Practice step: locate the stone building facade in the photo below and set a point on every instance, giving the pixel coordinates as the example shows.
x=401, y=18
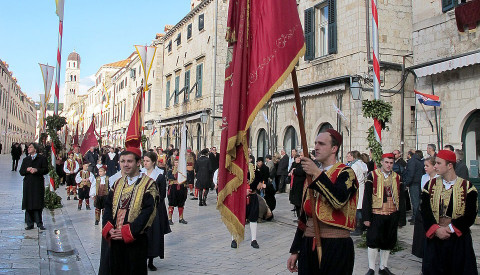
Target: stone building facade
x=337, y=55
x=17, y=111
x=447, y=64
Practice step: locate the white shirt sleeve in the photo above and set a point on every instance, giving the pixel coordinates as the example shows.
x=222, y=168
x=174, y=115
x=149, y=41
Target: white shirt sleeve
x=93, y=189
x=92, y=179
x=215, y=177
x=77, y=167
x=78, y=178
x=65, y=169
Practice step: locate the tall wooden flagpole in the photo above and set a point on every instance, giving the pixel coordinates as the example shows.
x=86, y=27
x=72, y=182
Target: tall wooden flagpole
x=376, y=69
x=303, y=138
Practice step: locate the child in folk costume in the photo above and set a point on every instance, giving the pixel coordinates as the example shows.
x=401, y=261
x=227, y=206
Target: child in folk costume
x=84, y=180
x=177, y=194
x=99, y=191
x=71, y=167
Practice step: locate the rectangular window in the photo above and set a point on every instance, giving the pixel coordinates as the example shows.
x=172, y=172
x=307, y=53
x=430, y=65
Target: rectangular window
x=199, y=79
x=321, y=31
x=201, y=22
x=169, y=46
x=447, y=5
x=167, y=89
x=186, y=91
x=179, y=39
x=189, y=31
x=177, y=86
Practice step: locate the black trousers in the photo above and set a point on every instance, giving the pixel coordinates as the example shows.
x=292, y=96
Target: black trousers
x=282, y=184
x=382, y=232
x=14, y=164
x=129, y=258
x=32, y=216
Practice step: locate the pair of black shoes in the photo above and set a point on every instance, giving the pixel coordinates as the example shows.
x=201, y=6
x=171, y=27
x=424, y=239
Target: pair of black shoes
x=41, y=227
x=254, y=244
x=183, y=221
x=384, y=271
x=202, y=203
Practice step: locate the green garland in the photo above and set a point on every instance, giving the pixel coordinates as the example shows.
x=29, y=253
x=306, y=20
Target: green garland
x=143, y=140
x=54, y=124
x=382, y=111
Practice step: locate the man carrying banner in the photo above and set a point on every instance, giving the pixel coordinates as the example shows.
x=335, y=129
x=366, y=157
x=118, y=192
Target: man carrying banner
x=335, y=190
x=449, y=208
x=380, y=212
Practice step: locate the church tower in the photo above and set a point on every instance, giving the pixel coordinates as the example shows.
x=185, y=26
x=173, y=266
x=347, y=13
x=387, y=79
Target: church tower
x=72, y=79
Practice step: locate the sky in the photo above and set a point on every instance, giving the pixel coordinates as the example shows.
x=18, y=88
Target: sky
x=101, y=32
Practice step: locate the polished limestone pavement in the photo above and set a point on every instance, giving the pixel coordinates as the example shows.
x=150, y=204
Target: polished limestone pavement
x=71, y=243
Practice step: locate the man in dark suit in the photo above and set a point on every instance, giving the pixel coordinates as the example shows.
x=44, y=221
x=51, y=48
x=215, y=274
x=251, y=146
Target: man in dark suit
x=461, y=169
x=33, y=168
x=282, y=171
x=91, y=157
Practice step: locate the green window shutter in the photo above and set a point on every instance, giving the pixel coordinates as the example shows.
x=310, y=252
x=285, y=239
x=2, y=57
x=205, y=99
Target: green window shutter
x=447, y=5
x=177, y=86
x=199, y=79
x=149, y=100
x=310, y=33
x=186, y=93
x=168, y=94
x=332, y=26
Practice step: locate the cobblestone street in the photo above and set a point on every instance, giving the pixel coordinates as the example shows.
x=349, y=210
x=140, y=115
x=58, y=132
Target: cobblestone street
x=71, y=243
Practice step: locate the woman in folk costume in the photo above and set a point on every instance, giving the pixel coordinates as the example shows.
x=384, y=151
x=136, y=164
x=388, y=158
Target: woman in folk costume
x=99, y=191
x=177, y=193
x=84, y=180
x=71, y=167
x=160, y=226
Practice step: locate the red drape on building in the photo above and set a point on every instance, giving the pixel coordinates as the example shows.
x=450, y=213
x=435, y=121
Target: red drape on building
x=265, y=42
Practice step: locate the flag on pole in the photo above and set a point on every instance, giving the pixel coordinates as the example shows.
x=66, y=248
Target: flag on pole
x=134, y=130
x=426, y=99
x=47, y=75
x=59, y=4
x=295, y=110
x=146, y=54
x=265, y=42
x=75, y=137
x=154, y=131
x=338, y=111
x=182, y=156
x=89, y=139
x=163, y=132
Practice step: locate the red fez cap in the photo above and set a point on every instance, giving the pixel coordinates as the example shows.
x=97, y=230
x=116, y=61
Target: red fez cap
x=188, y=150
x=388, y=156
x=134, y=150
x=447, y=155
x=335, y=135
x=177, y=157
x=104, y=167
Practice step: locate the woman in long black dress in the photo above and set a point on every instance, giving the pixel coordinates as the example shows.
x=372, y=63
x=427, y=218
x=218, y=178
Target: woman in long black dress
x=111, y=161
x=296, y=191
x=418, y=230
x=160, y=225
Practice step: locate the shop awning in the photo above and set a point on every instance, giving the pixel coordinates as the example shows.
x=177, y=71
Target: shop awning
x=447, y=65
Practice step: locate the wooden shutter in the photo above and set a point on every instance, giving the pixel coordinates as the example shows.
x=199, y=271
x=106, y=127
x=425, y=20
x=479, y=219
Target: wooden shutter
x=332, y=27
x=310, y=33
x=168, y=93
x=447, y=5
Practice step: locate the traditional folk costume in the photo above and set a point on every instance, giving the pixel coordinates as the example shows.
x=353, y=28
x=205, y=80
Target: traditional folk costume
x=453, y=204
x=84, y=180
x=71, y=167
x=381, y=207
x=79, y=158
x=335, y=204
x=177, y=195
x=99, y=190
x=130, y=207
x=191, y=173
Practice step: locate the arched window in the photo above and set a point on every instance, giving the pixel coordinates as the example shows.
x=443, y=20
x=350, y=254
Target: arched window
x=262, y=143
x=71, y=77
x=199, y=138
x=290, y=140
x=325, y=126
x=471, y=146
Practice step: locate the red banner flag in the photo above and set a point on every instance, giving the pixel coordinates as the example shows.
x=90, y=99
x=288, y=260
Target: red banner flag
x=89, y=139
x=265, y=42
x=75, y=137
x=134, y=130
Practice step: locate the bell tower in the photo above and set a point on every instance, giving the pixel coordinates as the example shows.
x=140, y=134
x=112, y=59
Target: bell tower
x=72, y=79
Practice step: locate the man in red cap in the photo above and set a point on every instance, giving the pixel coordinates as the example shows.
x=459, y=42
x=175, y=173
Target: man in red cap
x=380, y=212
x=332, y=196
x=449, y=208
x=129, y=210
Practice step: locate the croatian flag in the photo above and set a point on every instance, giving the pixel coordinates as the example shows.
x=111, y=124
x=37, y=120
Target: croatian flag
x=426, y=99
x=154, y=131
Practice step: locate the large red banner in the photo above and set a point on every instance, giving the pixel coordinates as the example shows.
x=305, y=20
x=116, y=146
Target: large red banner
x=265, y=42
x=89, y=140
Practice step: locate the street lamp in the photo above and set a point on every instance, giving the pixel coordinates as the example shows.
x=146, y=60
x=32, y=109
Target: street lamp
x=203, y=119
x=356, y=89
